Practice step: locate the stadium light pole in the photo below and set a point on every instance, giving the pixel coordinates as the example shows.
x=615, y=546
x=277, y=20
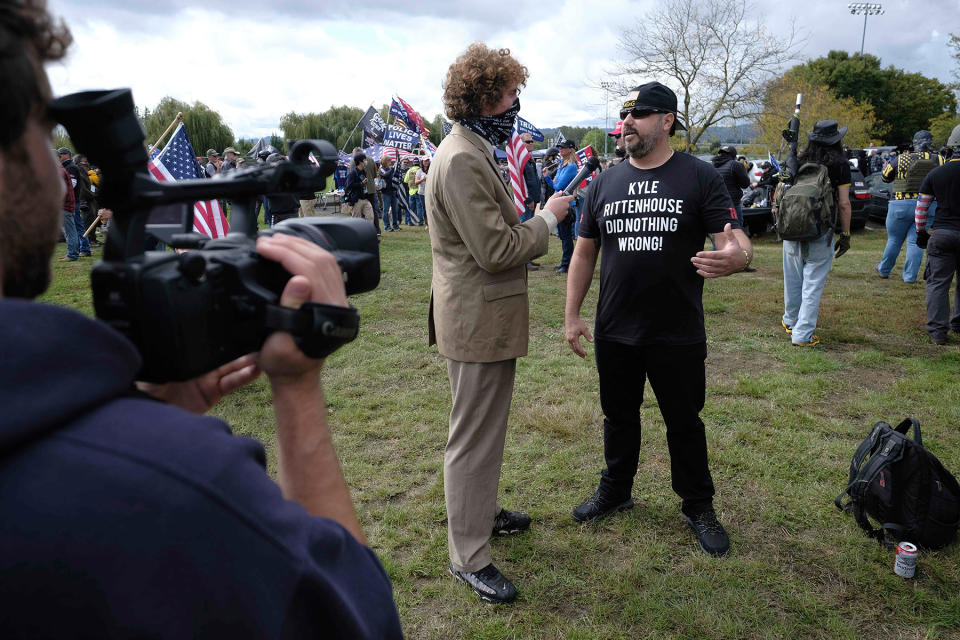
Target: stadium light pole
x=606, y=86
x=865, y=9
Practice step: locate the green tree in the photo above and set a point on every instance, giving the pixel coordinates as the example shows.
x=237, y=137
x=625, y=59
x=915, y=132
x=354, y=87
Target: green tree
x=819, y=103
x=942, y=126
x=204, y=126
x=335, y=125
x=903, y=102
x=595, y=138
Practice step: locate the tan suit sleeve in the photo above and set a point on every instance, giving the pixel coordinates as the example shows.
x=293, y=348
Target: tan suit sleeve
x=475, y=212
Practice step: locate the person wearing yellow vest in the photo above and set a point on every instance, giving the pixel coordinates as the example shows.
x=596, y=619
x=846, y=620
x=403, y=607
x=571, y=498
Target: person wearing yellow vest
x=416, y=198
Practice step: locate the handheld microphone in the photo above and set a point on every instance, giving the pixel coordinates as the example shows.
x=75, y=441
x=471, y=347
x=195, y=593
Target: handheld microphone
x=588, y=167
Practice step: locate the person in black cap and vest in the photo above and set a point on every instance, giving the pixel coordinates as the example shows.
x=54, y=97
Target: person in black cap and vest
x=651, y=215
x=806, y=264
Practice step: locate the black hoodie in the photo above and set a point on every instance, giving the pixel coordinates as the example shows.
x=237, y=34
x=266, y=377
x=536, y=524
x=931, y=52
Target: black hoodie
x=734, y=175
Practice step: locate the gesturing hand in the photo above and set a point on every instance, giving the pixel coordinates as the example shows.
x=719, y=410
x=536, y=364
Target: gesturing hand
x=728, y=258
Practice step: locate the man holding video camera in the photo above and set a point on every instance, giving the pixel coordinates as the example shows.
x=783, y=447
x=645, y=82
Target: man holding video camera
x=125, y=515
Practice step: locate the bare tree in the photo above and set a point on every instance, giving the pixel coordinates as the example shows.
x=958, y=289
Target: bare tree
x=716, y=54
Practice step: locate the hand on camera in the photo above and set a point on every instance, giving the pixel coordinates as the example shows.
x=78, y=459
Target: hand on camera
x=559, y=205
x=316, y=278
x=201, y=394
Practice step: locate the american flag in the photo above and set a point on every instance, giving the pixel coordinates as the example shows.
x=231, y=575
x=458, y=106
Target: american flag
x=582, y=156
x=517, y=159
x=177, y=162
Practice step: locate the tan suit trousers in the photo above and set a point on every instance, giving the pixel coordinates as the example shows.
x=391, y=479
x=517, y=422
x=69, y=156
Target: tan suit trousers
x=363, y=209
x=471, y=466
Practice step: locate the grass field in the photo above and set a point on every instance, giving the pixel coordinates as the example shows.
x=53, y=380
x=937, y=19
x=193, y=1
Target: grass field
x=782, y=424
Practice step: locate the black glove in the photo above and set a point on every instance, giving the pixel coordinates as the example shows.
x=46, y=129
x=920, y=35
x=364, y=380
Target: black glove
x=923, y=237
x=842, y=245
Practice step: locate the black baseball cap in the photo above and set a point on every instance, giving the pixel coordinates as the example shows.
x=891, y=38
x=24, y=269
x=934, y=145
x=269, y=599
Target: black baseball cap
x=566, y=144
x=652, y=97
x=64, y=151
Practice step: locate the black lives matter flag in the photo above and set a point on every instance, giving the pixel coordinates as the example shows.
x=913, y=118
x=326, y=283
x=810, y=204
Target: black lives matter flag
x=373, y=126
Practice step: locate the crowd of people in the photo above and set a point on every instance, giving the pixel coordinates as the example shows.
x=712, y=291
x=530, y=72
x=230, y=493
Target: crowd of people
x=169, y=525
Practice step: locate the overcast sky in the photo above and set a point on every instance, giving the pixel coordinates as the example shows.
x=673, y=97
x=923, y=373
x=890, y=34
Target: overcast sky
x=253, y=61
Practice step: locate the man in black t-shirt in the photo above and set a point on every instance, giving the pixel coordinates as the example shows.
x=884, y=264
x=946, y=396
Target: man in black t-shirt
x=651, y=215
x=943, y=243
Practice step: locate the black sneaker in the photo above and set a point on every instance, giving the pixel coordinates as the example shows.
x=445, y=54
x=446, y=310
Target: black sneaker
x=599, y=506
x=710, y=533
x=488, y=583
x=508, y=522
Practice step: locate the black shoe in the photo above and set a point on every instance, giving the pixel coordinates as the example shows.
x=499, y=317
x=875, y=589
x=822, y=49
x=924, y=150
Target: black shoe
x=935, y=339
x=488, y=583
x=536, y=264
x=710, y=533
x=599, y=506
x=508, y=522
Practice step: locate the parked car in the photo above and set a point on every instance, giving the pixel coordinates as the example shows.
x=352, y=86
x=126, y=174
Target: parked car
x=758, y=218
x=859, y=196
x=880, y=194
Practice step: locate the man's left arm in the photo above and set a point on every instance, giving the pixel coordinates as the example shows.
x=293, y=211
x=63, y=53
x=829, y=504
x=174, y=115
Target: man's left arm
x=734, y=253
x=733, y=250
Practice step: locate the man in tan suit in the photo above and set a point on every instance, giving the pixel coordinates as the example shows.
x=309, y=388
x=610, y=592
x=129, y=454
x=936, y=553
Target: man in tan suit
x=478, y=307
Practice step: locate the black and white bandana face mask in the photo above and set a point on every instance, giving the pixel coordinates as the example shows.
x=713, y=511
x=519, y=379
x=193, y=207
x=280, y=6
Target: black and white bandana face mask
x=496, y=129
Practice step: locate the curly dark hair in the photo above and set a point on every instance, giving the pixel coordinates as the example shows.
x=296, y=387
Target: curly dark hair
x=29, y=37
x=477, y=79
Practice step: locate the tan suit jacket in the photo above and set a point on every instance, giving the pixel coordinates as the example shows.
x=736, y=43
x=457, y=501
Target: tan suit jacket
x=478, y=302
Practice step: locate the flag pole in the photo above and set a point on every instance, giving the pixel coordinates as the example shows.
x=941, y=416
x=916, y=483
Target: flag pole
x=354, y=131
x=176, y=120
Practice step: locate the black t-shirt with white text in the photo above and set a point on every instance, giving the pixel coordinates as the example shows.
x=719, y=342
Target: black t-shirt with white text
x=650, y=222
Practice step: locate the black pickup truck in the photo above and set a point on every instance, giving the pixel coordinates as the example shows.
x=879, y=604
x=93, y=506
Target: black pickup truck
x=758, y=219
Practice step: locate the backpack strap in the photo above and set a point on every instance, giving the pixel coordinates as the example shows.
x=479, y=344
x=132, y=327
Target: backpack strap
x=865, y=447
x=904, y=426
x=891, y=451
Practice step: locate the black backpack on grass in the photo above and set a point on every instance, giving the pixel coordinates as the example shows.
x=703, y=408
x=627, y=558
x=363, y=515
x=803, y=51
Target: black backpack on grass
x=903, y=487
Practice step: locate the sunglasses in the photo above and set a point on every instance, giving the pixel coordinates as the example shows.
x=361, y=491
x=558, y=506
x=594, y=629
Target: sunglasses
x=638, y=113
x=528, y=142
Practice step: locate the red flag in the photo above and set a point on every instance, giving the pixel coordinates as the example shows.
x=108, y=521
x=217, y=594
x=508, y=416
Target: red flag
x=414, y=116
x=517, y=159
x=582, y=156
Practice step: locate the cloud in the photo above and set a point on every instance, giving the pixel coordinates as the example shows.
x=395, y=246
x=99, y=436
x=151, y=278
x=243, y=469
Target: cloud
x=253, y=61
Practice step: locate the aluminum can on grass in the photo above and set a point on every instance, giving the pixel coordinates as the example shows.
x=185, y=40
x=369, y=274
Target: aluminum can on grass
x=905, y=564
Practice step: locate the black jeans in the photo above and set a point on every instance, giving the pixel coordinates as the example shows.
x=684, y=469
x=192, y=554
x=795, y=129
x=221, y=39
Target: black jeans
x=678, y=379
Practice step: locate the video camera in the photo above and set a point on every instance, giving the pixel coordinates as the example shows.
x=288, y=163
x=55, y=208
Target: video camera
x=188, y=312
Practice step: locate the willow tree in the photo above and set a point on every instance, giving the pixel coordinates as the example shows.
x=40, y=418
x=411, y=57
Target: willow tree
x=205, y=127
x=715, y=54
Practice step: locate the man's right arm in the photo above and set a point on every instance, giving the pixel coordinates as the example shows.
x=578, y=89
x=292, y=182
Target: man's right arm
x=582, y=266
x=308, y=471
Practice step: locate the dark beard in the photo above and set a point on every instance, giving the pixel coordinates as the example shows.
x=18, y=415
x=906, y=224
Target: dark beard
x=28, y=234
x=642, y=146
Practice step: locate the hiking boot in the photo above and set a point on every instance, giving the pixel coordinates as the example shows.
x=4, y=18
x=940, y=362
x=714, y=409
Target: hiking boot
x=710, y=533
x=813, y=340
x=510, y=522
x=785, y=327
x=599, y=506
x=938, y=339
x=488, y=583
